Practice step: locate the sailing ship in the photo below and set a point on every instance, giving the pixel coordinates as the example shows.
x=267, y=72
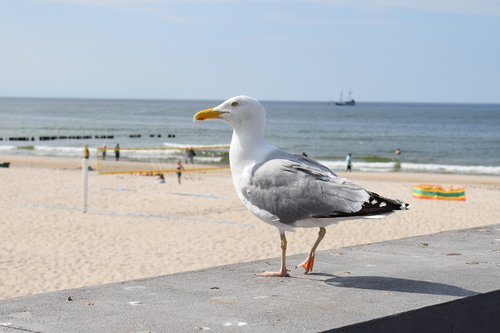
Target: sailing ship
x=350, y=101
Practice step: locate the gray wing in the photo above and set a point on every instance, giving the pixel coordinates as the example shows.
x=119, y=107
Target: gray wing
x=295, y=188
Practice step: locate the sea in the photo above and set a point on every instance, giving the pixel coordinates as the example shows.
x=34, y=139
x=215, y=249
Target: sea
x=438, y=138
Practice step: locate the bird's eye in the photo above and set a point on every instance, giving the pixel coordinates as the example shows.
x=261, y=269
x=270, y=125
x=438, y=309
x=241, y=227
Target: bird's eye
x=234, y=104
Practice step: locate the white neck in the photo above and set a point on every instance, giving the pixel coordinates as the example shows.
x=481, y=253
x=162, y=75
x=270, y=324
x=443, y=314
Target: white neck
x=246, y=151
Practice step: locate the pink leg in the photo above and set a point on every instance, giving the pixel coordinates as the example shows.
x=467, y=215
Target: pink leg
x=309, y=262
x=283, y=271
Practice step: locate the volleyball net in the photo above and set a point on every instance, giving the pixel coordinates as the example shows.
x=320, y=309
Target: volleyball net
x=159, y=160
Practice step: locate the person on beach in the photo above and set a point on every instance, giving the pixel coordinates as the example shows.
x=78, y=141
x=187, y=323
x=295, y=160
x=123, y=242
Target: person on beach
x=192, y=154
x=86, y=152
x=397, y=162
x=179, y=168
x=189, y=155
x=348, y=161
x=161, y=179
x=104, y=152
x=117, y=152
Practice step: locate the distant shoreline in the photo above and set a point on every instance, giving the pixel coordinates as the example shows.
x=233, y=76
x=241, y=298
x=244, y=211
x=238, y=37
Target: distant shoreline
x=30, y=161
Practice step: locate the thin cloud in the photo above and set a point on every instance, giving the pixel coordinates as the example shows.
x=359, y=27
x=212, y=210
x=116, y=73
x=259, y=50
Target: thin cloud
x=154, y=8
x=463, y=7
x=127, y=3
x=104, y=3
x=283, y=17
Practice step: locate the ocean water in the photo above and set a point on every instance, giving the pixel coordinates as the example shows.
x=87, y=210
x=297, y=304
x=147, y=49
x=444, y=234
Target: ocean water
x=447, y=138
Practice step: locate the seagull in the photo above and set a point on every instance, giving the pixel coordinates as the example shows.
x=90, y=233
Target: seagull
x=288, y=190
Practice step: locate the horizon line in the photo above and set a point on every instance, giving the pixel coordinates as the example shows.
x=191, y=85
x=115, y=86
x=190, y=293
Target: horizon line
x=329, y=101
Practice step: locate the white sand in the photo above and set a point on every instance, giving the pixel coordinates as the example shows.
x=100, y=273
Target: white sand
x=136, y=227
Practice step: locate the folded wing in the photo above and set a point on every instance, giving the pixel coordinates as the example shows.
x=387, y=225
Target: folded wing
x=296, y=188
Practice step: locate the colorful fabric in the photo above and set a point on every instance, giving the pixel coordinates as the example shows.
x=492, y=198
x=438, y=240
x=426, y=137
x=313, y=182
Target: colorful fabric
x=436, y=192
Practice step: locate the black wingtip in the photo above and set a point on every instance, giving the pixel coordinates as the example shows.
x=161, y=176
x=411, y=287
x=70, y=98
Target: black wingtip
x=405, y=206
x=378, y=202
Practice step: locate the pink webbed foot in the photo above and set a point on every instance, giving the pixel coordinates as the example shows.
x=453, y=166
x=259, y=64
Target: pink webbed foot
x=307, y=264
x=275, y=274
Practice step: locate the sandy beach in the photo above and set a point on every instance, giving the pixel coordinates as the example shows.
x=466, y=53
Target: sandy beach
x=136, y=227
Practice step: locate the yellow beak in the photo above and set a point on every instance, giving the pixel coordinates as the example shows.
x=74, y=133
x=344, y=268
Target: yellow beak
x=207, y=114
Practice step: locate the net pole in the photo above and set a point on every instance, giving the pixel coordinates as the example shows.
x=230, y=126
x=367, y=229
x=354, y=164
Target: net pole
x=85, y=183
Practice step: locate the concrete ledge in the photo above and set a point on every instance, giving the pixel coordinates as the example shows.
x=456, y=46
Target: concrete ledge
x=478, y=313
x=446, y=282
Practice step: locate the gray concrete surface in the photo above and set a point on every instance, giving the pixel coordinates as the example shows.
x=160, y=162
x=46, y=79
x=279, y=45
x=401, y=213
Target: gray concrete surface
x=349, y=286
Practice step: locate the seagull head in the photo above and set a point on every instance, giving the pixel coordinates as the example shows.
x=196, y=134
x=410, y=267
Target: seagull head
x=242, y=113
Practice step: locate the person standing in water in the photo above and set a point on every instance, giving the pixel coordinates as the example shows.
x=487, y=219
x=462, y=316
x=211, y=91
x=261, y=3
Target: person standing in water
x=104, y=148
x=348, y=161
x=117, y=152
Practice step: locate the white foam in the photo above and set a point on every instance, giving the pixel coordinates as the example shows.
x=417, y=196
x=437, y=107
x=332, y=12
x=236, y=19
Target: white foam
x=144, y=154
x=194, y=146
x=7, y=148
x=414, y=167
x=360, y=166
x=207, y=159
x=460, y=169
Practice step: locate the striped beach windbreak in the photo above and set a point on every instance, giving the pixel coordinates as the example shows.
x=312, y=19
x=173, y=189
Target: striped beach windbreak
x=437, y=192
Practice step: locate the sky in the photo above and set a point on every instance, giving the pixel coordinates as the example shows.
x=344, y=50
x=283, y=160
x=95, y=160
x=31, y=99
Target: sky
x=445, y=51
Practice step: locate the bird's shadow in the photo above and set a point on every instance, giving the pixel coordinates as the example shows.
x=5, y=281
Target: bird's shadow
x=396, y=285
